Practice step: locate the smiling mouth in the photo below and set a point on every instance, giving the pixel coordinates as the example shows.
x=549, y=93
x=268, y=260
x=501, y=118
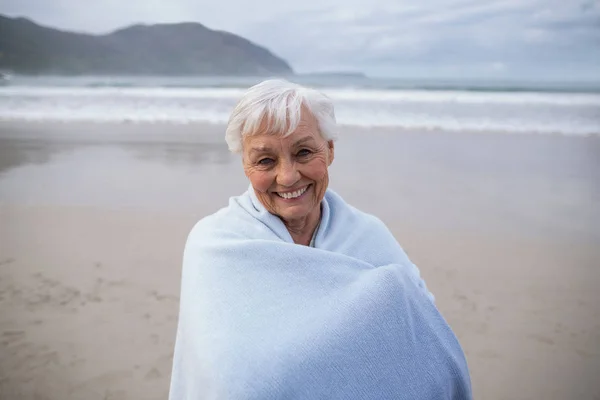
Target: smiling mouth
x=293, y=195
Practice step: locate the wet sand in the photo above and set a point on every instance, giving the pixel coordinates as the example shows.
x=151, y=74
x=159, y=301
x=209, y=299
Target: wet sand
x=93, y=218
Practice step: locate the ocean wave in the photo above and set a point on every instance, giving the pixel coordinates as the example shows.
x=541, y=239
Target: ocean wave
x=339, y=94
x=567, y=113
x=328, y=82
x=481, y=125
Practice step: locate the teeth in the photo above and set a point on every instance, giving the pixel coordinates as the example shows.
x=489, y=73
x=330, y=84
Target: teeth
x=293, y=195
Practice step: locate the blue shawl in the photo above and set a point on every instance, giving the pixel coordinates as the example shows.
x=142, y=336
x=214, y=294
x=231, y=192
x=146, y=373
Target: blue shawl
x=350, y=318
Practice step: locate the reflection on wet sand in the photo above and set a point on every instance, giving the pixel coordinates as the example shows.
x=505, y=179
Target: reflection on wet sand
x=14, y=153
x=18, y=152
x=38, y=143
x=189, y=154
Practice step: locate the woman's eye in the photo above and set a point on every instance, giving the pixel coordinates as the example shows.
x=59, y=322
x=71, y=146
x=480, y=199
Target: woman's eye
x=265, y=161
x=304, y=152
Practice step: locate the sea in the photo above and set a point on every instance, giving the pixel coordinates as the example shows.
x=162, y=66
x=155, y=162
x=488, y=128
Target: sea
x=477, y=106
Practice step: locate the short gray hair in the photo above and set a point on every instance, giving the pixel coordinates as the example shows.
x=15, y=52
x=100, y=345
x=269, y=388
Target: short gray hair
x=281, y=103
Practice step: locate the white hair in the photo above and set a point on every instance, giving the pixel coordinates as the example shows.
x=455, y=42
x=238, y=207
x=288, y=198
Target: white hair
x=281, y=103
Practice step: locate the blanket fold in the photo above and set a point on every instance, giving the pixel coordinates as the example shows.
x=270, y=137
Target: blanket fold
x=263, y=318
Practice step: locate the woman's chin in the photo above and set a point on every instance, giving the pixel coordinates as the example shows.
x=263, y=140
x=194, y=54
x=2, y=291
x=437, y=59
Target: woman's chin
x=293, y=212
x=296, y=210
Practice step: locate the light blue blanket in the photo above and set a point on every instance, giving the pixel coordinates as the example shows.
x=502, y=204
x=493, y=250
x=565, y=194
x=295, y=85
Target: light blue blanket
x=264, y=318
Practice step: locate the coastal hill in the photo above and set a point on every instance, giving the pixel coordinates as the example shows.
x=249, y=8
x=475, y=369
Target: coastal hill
x=162, y=49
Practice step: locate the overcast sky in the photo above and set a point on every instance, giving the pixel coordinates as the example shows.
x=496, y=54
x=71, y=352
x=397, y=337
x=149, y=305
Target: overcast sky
x=437, y=38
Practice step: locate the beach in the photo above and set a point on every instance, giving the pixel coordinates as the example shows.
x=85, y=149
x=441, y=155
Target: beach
x=505, y=229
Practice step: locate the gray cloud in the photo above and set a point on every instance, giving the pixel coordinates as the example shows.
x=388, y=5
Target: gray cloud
x=496, y=38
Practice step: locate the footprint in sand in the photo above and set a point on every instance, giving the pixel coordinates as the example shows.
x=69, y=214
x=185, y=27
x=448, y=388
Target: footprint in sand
x=155, y=338
x=11, y=336
x=160, y=297
x=542, y=339
x=153, y=374
x=7, y=261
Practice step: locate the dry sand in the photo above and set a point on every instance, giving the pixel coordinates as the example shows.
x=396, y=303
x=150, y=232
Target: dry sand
x=93, y=219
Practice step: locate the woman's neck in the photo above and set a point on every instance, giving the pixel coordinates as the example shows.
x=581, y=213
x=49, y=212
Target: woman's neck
x=302, y=229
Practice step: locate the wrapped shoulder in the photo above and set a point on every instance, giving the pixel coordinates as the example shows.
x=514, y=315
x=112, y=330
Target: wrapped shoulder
x=222, y=225
x=389, y=249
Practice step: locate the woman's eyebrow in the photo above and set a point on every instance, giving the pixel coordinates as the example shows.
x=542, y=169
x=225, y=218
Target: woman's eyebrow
x=260, y=149
x=304, y=140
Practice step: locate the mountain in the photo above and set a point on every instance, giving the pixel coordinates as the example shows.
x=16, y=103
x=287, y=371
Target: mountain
x=162, y=49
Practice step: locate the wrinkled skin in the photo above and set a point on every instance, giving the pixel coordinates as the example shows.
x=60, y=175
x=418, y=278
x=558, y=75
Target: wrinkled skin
x=278, y=165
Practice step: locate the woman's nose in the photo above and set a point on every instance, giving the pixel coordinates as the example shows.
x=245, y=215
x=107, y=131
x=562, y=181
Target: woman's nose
x=287, y=174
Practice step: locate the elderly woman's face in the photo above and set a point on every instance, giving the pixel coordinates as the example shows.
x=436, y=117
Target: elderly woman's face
x=289, y=174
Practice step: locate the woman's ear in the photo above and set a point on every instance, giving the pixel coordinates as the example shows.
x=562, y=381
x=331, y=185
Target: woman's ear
x=331, y=151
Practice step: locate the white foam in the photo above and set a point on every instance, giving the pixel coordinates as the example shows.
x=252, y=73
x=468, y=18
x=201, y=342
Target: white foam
x=466, y=97
x=417, y=96
x=566, y=113
x=138, y=92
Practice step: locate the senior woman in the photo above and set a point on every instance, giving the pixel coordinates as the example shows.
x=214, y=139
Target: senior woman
x=289, y=292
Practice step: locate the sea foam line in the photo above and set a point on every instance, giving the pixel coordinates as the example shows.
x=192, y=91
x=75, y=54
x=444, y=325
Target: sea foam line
x=350, y=95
